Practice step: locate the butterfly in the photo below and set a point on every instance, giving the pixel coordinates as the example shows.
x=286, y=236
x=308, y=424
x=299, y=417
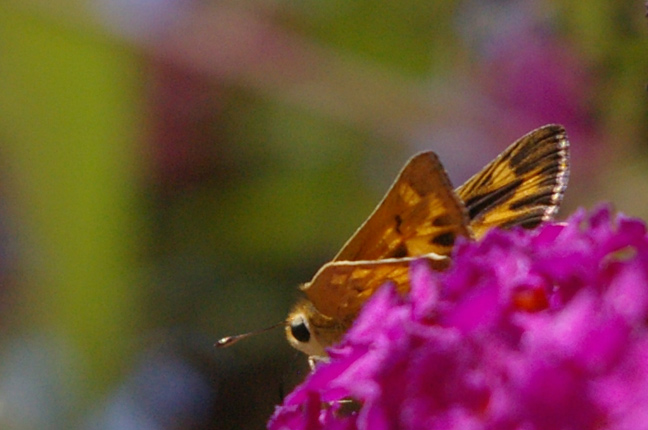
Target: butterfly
x=421, y=216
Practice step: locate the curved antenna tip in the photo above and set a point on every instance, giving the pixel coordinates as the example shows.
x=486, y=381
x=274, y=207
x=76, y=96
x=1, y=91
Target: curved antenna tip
x=231, y=340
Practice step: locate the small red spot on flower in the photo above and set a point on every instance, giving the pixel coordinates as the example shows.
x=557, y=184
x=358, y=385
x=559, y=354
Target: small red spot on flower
x=530, y=299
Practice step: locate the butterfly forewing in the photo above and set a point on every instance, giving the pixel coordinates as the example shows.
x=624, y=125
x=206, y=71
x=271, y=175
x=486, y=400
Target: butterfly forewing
x=419, y=214
x=523, y=186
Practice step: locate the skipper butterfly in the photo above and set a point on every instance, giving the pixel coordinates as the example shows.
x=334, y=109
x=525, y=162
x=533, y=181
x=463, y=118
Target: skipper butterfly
x=421, y=216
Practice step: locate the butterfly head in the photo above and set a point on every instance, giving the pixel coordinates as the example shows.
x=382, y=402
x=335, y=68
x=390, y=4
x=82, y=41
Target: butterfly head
x=311, y=332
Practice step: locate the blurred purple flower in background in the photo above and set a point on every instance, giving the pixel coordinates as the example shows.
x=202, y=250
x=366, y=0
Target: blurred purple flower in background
x=540, y=329
x=523, y=72
x=525, y=65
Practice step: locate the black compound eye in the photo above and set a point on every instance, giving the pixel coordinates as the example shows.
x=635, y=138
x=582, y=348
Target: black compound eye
x=300, y=331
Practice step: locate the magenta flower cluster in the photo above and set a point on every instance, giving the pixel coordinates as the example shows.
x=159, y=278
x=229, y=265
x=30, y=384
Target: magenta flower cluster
x=527, y=330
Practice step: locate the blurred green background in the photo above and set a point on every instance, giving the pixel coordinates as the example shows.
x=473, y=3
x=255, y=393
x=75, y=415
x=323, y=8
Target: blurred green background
x=172, y=170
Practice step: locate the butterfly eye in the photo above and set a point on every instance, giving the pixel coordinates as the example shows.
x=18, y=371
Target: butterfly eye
x=299, y=330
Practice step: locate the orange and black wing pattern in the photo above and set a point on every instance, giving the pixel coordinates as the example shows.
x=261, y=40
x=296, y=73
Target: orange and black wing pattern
x=419, y=214
x=523, y=186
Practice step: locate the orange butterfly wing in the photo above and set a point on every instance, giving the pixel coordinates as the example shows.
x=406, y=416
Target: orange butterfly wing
x=419, y=216
x=340, y=288
x=523, y=186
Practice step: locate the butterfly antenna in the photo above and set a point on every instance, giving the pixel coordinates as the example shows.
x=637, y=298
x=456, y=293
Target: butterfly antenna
x=231, y=340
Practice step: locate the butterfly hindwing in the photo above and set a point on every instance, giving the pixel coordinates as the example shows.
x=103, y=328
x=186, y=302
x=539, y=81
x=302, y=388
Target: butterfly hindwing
x=419, y=214
x=340, y=288
x=523, y=186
